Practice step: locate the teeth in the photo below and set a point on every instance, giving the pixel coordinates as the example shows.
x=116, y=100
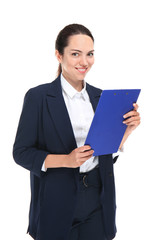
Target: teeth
x=82, y=69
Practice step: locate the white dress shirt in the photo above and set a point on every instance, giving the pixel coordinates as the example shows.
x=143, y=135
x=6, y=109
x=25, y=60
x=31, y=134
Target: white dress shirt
x=81, y=113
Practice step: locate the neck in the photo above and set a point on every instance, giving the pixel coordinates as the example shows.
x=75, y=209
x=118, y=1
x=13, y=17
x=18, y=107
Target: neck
x=78, y=85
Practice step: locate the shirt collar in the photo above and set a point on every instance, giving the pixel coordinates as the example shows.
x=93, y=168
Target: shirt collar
x=71, y=91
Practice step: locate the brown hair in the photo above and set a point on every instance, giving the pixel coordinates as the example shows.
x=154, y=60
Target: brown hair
x=63, y=38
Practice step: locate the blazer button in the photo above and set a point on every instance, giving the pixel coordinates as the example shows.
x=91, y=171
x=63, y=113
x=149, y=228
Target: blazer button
x=110, y=174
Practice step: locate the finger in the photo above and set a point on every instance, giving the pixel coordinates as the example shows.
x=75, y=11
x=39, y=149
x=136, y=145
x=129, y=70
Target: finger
x=86, y=154
x=132, y=119
x=131, y=114
x=135, y=105
x=82, y=160
x=84, y=148
x=134, y=123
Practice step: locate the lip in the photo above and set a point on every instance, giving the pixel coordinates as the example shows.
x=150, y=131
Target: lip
x=81, y=70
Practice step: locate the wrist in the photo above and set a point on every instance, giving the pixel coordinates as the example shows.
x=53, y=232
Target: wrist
x=125, y=137
x=127, y=132
x=55, y=161
x=65, y=160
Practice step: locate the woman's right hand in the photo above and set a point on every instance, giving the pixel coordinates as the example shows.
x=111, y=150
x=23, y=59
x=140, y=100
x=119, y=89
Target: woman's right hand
x=78, y=156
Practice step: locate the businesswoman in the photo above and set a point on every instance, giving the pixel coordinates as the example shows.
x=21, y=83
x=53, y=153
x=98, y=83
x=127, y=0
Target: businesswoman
x=72, y=192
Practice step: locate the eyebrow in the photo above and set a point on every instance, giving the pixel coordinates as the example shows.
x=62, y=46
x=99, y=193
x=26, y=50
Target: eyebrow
x=76, y=50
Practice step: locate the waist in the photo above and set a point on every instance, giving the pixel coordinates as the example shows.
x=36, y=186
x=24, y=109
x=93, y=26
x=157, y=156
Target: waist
x=91, y=178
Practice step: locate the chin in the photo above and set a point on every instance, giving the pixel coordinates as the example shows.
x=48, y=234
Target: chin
x=81, y=78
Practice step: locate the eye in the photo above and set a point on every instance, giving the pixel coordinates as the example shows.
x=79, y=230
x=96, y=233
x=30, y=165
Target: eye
x=90, y=54
x=75, y=54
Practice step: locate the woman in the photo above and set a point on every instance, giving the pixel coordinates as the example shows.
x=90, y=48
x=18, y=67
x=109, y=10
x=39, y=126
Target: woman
x=72, y=192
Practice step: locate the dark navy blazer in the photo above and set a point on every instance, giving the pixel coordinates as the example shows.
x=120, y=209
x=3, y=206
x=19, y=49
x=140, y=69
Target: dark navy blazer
x=45, y=128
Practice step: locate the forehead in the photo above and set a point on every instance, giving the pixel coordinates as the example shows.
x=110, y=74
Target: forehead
x=81, y=42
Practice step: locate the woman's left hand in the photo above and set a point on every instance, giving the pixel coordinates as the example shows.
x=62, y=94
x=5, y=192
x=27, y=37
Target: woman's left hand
x=132, y=122
x=133, y=119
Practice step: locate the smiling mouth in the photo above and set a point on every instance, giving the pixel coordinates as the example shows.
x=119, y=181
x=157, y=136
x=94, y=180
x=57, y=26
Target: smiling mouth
x=82, y=70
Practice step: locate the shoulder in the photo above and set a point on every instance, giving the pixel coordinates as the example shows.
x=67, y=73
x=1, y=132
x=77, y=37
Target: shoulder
x=40, y=91
x=34, y=96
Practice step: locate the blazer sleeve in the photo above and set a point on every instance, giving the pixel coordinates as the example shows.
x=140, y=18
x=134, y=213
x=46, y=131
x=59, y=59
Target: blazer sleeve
x=25, y=149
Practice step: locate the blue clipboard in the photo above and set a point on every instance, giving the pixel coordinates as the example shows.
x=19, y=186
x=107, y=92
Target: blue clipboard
x=107, y=128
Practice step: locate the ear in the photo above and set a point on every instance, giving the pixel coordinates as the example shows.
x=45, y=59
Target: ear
x=58, y=56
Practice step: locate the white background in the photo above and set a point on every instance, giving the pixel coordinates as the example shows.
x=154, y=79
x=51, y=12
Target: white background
x=127, y=53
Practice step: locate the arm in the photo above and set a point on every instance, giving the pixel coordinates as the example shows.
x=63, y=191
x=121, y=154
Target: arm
x=73, y=160
x=25, y=149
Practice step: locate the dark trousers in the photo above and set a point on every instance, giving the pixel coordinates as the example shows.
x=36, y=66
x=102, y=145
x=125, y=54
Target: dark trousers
x=88, y=219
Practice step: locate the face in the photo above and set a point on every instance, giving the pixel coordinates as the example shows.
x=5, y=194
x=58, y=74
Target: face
x=77, y=59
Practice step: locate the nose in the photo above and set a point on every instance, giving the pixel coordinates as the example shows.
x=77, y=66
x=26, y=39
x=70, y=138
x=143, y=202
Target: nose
x=83, y=61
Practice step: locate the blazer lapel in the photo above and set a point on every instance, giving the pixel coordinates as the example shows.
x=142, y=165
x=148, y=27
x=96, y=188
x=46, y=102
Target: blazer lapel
x=60, y=116
x=94, y=95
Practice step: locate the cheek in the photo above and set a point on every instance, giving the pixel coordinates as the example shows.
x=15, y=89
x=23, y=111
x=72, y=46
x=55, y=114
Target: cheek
x=71, y=63
x=91, y=62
